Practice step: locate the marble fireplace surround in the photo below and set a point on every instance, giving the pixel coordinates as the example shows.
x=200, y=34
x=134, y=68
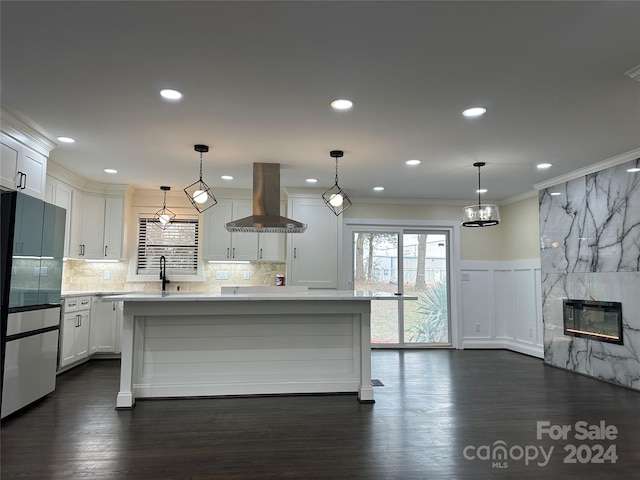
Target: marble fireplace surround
x=590, y=250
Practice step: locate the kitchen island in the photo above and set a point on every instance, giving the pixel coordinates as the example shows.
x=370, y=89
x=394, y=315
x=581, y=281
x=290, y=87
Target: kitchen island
x=204, y=344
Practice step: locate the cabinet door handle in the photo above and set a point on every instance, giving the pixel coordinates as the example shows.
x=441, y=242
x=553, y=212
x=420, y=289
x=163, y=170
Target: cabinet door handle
x=23, y=176
x=260, y=254
x=295, y=252
x=233, y=254
x=227, y=252
x=83, y=245
x=105, y=250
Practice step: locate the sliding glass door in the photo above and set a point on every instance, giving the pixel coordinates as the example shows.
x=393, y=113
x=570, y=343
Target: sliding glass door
x=411, y=262
x=376, y=268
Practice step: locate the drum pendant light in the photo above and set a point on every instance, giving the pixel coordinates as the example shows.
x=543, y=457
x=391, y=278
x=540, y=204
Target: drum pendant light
x=480, y=215
x=199, y=193
x=163, y=217
x=335, y=198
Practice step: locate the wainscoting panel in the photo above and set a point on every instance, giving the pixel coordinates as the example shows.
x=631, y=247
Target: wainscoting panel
x=501, y=306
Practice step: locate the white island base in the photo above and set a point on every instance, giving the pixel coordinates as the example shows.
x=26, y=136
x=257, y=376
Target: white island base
x=181, y=345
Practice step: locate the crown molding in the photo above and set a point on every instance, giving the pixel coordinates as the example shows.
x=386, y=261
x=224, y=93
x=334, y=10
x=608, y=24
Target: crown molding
x=59, y=172
x=596, y=167
x=25, y=134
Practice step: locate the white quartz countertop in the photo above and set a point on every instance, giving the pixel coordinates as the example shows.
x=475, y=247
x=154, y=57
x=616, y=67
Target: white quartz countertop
x=89, y=293
x=256, y=296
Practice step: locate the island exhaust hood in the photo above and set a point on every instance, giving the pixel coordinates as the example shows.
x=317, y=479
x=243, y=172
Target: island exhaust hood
x=266, y=205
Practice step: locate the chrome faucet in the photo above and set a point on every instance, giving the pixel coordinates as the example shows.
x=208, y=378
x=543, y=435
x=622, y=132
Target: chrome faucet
x=163, y=272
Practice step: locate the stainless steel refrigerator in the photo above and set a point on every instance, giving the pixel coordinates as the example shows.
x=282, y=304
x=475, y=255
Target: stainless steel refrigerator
x=32, y=246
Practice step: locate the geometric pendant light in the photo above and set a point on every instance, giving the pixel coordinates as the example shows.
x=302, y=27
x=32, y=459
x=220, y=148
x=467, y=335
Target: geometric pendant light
x=164, y=216
x=480, y=215
x=199, y=193
x=335, y=198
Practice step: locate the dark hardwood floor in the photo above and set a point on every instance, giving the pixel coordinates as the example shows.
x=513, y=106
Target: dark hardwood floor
x=435, y=406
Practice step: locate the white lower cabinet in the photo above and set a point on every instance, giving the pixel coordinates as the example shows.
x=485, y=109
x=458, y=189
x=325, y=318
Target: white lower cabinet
x=89, y=326
x=74, y=337
x=106, y=325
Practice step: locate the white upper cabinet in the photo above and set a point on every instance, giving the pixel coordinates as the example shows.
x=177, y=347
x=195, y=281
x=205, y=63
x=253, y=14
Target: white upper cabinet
x=61, y=195
x=312, y=256
x=89, y=245
x=22, y=168
x=97, y=226
x=23, y=157
x=271, y=247
x=113, y=227
x=221, y=244
x=9, y=155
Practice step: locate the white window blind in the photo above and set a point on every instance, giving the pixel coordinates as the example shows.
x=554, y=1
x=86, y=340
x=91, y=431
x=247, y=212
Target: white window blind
x=178, y=243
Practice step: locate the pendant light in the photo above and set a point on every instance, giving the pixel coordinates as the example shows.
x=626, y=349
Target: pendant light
x=199, y=193
x=163, y=217
x=480, y=215
x=335, y=198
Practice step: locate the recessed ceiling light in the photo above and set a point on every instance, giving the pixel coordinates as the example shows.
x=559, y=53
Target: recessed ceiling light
x=311, y=180
x=482, y=190
x=67, y=139
x=543, y=166
x=170, y=94
x=110, y=170
x=378, y=189
x=413, y=162
x=474, y=112
x=226, y=177
x=554, y=194
x=633, y=170
x=342, y=104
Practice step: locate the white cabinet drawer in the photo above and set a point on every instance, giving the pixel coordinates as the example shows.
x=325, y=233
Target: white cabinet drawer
x=74, y=304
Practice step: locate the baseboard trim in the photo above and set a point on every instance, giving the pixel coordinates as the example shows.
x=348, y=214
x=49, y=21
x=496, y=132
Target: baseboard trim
x=505, y=344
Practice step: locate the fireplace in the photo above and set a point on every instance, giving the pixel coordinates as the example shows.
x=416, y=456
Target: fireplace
x=594, y=320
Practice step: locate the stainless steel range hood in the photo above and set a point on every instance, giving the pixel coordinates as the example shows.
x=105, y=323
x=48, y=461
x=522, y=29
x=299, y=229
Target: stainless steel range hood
x=266, y=205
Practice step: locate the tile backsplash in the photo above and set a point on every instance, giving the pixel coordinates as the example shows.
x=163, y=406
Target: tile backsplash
x=81, y=276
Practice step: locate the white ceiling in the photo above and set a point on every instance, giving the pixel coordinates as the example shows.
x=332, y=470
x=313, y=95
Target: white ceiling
x=258, y=77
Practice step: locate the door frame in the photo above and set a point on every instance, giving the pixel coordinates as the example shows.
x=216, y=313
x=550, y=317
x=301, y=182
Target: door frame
x=345, y=273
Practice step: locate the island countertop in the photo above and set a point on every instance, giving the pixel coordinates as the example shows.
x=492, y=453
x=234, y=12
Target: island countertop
x=335, y=295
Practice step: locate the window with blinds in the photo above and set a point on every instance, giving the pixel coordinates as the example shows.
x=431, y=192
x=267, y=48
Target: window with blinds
x=178, y=243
